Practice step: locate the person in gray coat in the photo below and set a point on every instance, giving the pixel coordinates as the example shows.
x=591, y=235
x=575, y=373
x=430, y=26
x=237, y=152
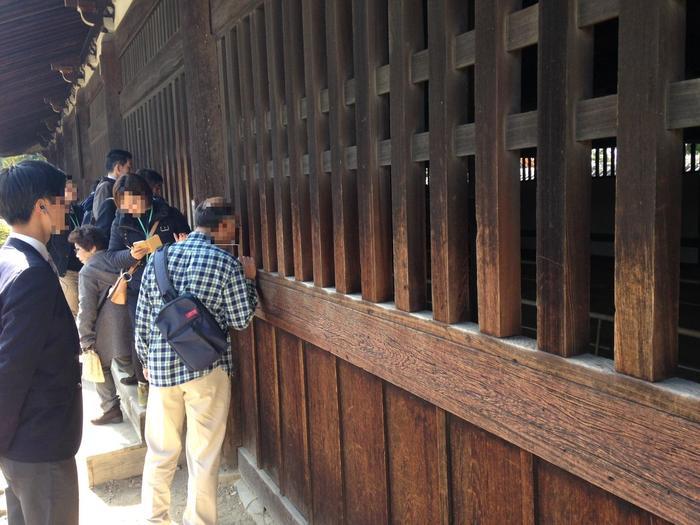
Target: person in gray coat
x=102, y=325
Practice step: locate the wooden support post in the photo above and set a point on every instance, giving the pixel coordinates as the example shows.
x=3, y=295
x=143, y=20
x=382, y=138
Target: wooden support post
x=342, y=135
x=296, y=138
x=230, y=51
x=203, y=99
x=262, y=107
x=564, y=181
x=497, y=183
x=370, y=26
x=407, y=176
x=448, y=173
x=278, y=136
x=314, y=29
x=82, y=121
x=110, y=72
x=648, y=185
x=249, y=140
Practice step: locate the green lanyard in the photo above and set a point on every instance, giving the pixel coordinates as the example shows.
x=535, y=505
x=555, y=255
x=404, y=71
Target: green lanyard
x=73, y=220
x=145, y=231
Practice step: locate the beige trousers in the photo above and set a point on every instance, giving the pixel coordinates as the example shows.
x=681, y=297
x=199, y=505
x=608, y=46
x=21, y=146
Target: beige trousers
x=204, y=403
x=69, y=284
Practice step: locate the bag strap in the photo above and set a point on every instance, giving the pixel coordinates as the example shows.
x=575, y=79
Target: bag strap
x=160, y=265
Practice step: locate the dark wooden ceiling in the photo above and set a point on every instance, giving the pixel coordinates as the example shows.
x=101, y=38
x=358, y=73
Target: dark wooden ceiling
x=33, y=35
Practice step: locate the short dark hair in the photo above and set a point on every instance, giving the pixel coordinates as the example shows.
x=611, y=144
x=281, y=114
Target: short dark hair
x=24, y=184
x=116, y=156
x=152, y=177
x=88, y=237
x=211, y=212
x=134, y=184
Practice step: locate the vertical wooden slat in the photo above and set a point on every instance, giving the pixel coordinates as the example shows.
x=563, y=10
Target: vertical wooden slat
x=449, y=89
x=314, y=31
x=110, y=70
x=296, y=481
x=178, y=151
x=648, y=185
x=249, y=392
x=268, y=391
x=278, y=136
x=370, y=28
x=407, y=177
x=364, y=445
x=443, y=464
x=262, y=106
x=237, y=162
x=412, y=444
x=564, y=181
x=249, y=141
x=497, y=95
x=296, y=138
x=342, y=135
x=324, y=436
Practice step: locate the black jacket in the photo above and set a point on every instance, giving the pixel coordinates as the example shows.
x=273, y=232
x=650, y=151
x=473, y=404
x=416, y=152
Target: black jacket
x=62, y=252
x=103, y=206
x=126, y=230
x=41, y=410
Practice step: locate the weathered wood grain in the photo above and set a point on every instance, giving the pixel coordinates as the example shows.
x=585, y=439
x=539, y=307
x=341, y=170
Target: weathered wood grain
x=321, y=209
x=518, y=394
x=497, y=184
x=406, y=27
x=448, y=172
x=324, y=436
x=648, y=190
x=342, y=135
x=596, y=118
x=522, y=28
x=684, y=104
x=563, y=182
x=225, y=13
x=521, y=131
x=364, y=447
x=278, y=136
x=249, y=393
x=297, y=139
x=592, y=12
x=370, y=50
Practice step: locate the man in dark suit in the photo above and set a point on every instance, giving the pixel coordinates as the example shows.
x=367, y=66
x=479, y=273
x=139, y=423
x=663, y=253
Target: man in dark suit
x=40, y=395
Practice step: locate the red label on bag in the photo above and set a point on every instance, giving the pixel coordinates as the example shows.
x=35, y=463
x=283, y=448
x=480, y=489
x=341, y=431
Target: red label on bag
x=191, y=314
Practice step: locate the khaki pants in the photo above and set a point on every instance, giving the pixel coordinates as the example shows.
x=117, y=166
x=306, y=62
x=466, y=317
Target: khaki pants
x=69, y=284
x=205, y=403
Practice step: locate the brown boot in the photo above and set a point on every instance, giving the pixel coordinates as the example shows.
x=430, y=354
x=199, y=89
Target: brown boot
x=113, y=415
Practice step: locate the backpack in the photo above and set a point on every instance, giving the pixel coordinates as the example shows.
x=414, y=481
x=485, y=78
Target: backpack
x=86, y=205
x=185, y=323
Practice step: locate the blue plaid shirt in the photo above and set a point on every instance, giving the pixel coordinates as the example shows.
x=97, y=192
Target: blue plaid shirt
x=213, y=276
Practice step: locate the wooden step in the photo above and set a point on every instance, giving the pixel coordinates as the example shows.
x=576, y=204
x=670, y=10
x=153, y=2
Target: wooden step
x=129, y=403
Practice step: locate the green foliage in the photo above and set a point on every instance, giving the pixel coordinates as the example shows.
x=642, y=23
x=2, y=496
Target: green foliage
x=4, y=232
x=6, y=162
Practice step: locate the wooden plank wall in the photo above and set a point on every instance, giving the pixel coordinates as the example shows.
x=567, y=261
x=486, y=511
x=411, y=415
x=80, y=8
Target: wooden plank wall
x=352, y=116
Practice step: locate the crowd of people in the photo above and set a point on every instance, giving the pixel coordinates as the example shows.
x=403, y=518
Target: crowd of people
x=60, y=273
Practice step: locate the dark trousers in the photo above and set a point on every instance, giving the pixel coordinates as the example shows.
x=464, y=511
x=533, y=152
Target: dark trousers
x=131, y=301
x=41, y=493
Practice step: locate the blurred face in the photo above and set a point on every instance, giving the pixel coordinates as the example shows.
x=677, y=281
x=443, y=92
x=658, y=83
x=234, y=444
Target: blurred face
x=157, y=190
x=84, y=255
x=52, y=216
x=71, y=194
x=133, y=204
x=225, y=232
x=122, y=169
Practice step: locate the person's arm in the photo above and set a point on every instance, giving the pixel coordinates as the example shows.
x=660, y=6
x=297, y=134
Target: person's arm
x=240, y=298
x=28, y=305
x=118, y=254
x=145, y=314
x=88, y=303
x=101, y=194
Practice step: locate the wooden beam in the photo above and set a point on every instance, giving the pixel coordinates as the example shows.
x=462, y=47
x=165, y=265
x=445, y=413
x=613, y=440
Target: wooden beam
x=596, y=118
x=204, y=118
x=278, y=136
x=497, y=95
x=522, y=28
x=370, y=26
x=521, y=131
x=465, y=52
x=563, y=182
x=592, y=12
x=245, y=70
x=684, y=104
x=407, y=176
x=262, y=106
x=448, y=172
x=314, y=38
x=296, y=139
x=112, y=81
x=342, y=135
x=648, y=186
x=537, y=407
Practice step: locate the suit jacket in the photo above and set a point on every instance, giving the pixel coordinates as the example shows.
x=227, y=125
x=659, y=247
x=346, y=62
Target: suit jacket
x=40, y=395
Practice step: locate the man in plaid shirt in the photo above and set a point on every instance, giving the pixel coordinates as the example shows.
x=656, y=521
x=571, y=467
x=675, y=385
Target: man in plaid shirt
x=226, y=286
